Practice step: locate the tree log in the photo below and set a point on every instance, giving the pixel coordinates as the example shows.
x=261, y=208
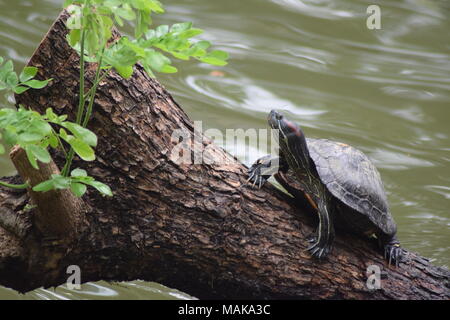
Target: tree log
x=194, y=227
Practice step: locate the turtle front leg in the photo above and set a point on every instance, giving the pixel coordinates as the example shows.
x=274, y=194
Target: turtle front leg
x=324, y=237
x=264, y=168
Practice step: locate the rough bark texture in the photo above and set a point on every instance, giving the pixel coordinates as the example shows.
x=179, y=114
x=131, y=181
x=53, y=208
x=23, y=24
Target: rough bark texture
x=186, y=226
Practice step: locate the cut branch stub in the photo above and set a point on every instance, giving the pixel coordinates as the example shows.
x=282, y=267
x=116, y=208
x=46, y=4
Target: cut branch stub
x=59, y=212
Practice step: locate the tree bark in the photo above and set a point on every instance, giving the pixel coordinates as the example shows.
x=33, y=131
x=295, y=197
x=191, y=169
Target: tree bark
x=194, y=227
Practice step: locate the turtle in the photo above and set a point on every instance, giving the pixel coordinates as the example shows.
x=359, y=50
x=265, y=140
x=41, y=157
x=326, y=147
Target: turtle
x=339, y=181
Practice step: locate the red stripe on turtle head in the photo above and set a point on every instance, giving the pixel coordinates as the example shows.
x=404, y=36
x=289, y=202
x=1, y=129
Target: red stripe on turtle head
x=294, y=128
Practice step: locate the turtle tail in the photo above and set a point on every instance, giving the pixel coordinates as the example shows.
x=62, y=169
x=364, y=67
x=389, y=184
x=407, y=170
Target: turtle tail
x=393, y=253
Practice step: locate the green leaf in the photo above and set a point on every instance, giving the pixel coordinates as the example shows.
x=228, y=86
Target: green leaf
x=125, y=12
x=125, y=72
x=53, y=141
x=40, y=153
x=172, y=44
x=78, y=173
x=190, y=33
x=8, y=66
x=40, y=126
x=8, y=78
x=30, y=136
x=37, y=84
x=57, y=181
x=92, y=41
x=118, y=20
x=216, y=58
x=122, y=57
x=28, y=73
x=31, y=157
x=82, y=149
x=106, y=24
x=20, y=89
x=156, y=6
x=60, y=182
x=74, y=37
x=78, y=189
x=101, y=187
x=180, y=56
x=85, y=135
x=156, y=60
x=203, y=44
x=11, y=79
x=169, y=69
x=105, y=10
x=150, y=34
x=143, y=21
x=63, y=134
x=162, y=30
x=179, y=27
x=51, y=116
x=10, y=137
x=137, y=49
x=147, y=6
x=44, y=186
x=75, y=19
x=219, y=54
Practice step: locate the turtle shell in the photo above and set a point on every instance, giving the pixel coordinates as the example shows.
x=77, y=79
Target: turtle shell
x=353, y=179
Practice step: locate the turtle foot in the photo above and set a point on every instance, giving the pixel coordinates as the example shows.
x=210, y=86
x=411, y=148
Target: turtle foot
x=260, y=171
x=393, y=253
x=317, y=250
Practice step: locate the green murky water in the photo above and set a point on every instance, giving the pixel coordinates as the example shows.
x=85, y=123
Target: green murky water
x=385, y=91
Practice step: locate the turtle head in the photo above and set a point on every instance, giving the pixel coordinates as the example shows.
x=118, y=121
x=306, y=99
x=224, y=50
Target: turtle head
x=290, y=136
x=286, y=127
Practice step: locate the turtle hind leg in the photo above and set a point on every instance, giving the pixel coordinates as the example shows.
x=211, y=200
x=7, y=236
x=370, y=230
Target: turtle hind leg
x=324, y=235
x=393, y=253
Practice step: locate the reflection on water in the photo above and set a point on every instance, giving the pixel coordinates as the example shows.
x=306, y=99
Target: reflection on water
x=386, y=92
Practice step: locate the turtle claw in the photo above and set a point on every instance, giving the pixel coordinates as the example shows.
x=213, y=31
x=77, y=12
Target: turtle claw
x=393, y=253
x=314, y=251
x=258, y=172
x=260, y=183
x=317, y=250
x=251, y=175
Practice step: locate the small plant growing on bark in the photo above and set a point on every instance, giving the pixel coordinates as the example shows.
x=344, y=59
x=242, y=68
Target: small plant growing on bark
x=91, y=27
